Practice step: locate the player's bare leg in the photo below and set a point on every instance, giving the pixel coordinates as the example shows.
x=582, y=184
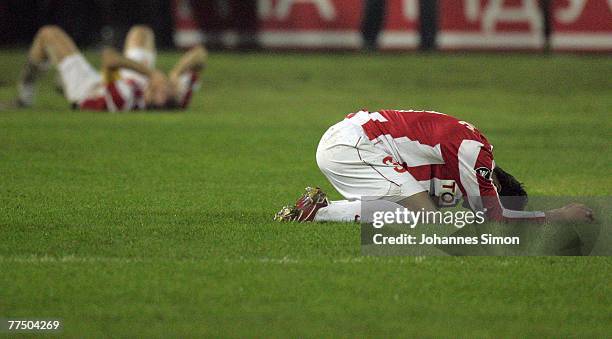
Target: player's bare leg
x=140, y=47
x=140, y=39
x=50, y=46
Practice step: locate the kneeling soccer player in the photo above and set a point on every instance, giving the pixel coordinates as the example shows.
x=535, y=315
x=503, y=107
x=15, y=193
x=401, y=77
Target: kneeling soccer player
x=127, y=82
x=420, y=160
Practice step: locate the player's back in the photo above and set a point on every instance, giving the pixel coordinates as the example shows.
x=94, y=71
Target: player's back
x=415, y=137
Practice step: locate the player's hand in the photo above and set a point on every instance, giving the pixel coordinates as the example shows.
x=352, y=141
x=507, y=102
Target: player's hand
x=110, y=58
x=578, y=213
x=109, y=52
x=157, y=77
x=158, y=81
x=159, y=89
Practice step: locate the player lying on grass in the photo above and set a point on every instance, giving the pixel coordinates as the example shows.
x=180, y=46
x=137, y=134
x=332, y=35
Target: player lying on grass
x=128, y=82
x=420, y=160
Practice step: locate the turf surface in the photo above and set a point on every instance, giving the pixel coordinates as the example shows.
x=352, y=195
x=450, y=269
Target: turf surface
x=160, y=224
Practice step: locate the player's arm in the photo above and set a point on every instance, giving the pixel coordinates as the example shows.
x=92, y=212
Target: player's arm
x=574, y=212
x=418, y=202
x=192, y=61
x=475, y=163
x=184, y=75
x=113, y=61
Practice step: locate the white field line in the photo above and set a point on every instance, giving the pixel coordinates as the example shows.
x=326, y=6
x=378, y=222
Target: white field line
x=35, y=259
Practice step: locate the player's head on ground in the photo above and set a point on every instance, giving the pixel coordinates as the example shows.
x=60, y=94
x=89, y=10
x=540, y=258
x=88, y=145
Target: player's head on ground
x=511, y=192
x=170, y=105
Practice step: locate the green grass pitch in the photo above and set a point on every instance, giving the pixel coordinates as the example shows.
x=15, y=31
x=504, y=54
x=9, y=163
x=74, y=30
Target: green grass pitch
x=160, y=224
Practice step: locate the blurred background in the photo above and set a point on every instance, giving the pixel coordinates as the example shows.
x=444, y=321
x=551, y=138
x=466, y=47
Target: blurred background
x=394, y=25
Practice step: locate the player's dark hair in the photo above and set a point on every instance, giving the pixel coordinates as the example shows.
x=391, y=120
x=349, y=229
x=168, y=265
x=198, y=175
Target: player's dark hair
x=512, y=194
x=171, y=105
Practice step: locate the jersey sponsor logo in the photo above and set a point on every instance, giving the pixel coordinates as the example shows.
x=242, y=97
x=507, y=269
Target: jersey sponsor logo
x=484, y=172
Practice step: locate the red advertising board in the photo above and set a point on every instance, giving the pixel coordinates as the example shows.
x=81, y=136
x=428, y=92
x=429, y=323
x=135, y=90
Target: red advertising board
x=582, y=25
x=401, y=31
x=334, y=24
x=311, y=24
x=490, y=25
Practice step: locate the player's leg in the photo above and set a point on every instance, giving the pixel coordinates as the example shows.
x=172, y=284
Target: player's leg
x=140, y=45
x=360, y=175
x=340, y=211
x=402, y=192
x=51, y=46
x=355, y=167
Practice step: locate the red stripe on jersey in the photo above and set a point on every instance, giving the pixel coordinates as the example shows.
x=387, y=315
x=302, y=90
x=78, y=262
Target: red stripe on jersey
x=94, y=104
x=116, y=96
x=427, y=127
x=420, y=173
x=427, y=172
x=138, y=95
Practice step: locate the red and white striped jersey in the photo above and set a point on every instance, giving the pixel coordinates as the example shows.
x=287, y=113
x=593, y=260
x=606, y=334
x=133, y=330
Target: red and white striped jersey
x=449, y=157
x=127, y=94
x=116, y=96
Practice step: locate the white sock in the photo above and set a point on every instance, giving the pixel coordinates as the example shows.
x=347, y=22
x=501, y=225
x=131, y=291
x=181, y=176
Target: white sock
x=26, y=86
x=350, y=211
x=341, y=210
x=26, y=93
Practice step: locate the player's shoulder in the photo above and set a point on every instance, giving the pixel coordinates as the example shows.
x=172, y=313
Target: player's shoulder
x=454, y=130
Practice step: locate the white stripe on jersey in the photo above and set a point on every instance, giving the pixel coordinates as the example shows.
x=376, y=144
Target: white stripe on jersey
x=420, y=154
x=362, y=117
x=126, y=93
x=110, y=104
x=467, y=157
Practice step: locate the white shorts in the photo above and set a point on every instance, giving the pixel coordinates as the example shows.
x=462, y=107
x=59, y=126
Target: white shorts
x=142, y=56
x=79, y=78
x=355, y=166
